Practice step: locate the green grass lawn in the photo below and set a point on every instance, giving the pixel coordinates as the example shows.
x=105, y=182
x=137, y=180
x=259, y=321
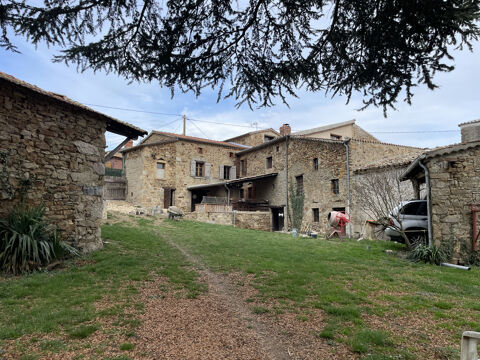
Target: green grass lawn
x=62, y=303
x=353, y=282
x=362, y=291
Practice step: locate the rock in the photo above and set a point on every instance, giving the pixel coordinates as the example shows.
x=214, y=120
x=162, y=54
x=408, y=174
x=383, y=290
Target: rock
x=86, y=148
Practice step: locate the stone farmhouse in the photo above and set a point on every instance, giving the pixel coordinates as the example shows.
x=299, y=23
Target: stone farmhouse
x=57, y=146
x=451, y=175
x=247, y=185
x=160, y=169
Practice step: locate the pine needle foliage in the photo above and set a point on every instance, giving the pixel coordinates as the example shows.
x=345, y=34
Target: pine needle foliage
x=28, y=243
x=256, y=50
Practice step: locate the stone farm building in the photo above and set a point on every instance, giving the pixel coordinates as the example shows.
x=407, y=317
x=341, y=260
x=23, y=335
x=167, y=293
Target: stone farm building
x=452, y=174
x=251, y=173
x=58, y=145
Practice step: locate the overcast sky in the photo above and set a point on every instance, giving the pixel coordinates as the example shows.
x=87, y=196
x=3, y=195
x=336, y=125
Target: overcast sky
x=456, y=101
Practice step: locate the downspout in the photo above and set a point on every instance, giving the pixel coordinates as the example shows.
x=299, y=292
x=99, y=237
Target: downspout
x=347, y=151
x=286, y=182
x=429, y=213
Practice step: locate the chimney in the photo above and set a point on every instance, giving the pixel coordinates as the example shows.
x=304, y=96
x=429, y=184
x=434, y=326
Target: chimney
x=470, y=131
x=285, y=129
x=128, y=145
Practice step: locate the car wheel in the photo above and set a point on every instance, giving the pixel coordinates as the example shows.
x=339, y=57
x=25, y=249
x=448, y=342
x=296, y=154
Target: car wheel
x=417, y=238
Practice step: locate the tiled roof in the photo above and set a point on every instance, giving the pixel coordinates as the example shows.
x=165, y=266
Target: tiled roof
x=398, y=161
x=439, y=151
x=118, y=126
x=469, y=122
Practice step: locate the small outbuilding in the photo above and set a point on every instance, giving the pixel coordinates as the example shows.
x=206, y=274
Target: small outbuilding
x=54, y=149
x=452, y=178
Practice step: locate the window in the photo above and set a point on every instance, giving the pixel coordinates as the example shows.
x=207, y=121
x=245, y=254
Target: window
x=267, y=138
x=242, y=193
x=226, y=172
x=335, y=137
x=315, y=164
x=269, y=162
x=335, y=188
x=231, y=154
x=200, y=169
x=415, y=208
x=160, y=170
x=277, y=147
x=299, y=180
x=316, y=215
x=250, y=193
x=200, y=150
x=243, y=167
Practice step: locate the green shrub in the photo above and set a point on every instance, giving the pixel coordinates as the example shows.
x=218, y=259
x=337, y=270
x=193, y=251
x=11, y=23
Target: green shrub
x=427, y=254
x=27, y=242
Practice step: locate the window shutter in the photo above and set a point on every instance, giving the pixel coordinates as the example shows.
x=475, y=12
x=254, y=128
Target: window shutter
x=221, y=172
x=192, y=168
x=208, y=170
x=233, y=172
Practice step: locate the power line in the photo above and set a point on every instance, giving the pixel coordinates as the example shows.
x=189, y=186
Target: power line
x=198, y=128
x=412, y=132
x=133, y=110
x=249, y=126
x=227, y=124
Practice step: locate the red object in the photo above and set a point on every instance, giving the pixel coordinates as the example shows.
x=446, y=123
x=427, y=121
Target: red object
x=338, y=220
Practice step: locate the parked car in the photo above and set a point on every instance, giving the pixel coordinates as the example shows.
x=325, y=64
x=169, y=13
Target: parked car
x=411, y=216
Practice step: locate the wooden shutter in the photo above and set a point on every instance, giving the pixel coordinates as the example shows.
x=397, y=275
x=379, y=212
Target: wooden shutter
x=166, y=197
x=221, y=172
x=233, y=172
x=192, y=167
x=208, y=171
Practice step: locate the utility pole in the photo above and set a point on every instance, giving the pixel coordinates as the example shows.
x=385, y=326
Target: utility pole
x=184, y=124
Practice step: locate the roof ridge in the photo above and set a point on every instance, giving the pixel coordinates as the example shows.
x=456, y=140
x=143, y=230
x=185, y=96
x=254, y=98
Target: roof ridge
x=199, y=139
x=385, y=143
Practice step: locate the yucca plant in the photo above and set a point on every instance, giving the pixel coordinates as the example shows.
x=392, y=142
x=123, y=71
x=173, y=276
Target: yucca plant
x=428, y=254
x=27, y=242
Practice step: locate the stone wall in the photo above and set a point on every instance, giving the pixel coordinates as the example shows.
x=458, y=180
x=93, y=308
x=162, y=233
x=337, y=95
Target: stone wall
x=254, y=220
x=470, y=131
x=253, y=138
x=363, y=153
x=63, y=150
x=360, y=134
x=455, y=187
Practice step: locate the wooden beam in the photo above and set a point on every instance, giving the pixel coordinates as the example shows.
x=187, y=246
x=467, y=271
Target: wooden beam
x=114, y=151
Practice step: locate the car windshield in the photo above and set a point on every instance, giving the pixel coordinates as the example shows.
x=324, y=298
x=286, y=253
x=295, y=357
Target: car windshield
x=415, y=208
